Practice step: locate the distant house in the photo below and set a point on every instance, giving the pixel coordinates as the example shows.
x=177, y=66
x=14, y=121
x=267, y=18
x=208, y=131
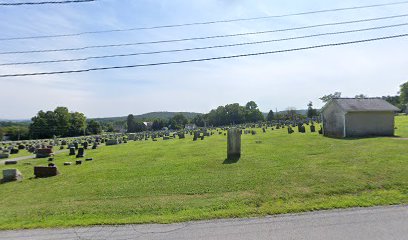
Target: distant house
x=148, y=125
x=190, y=127
x=349, y=117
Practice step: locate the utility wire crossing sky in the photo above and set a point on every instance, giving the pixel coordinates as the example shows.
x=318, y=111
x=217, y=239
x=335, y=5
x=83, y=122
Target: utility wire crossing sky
x=70, y=38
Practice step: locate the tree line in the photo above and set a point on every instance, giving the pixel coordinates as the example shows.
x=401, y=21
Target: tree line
x=61, y=123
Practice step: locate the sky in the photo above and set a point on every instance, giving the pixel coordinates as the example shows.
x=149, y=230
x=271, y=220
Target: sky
x=274, y=81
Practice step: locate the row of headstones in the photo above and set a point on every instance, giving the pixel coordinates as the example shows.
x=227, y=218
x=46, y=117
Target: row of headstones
x=51, y=170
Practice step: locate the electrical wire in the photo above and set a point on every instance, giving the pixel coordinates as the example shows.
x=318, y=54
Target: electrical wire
x=45, y=2
x=208, y=22
x=203, y=48
x=207, y=37
x=205, y=59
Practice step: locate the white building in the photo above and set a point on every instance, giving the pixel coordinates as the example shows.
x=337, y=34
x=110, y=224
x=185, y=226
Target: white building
x=350, y=117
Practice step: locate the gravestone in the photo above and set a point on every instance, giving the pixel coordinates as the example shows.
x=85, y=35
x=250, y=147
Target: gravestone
x=312, y=128
x=11, y=162
x=44, y=153
x=4, y=155
x=81, y=153
x=72, y=151
x=67, y=163
x=10, y=175
x=14, y=151
x=44, y=172
x=234, y=144
x=111, y=142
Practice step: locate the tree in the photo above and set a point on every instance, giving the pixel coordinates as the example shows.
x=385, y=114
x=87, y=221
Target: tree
x=199, y=120
x=361, y=96
x=404, y=95
x=1, y=134
x=311, y=112
x=77, y=124
x=235, y=114
x=109, y=127
x=290, y=113
x=57, y=123
x=327, y=98
x=178, y=121
x=93, y=127
x=158, y=124
x=271, y=116
x=39, y=126
x=131, y=124
x=62, y=118
x=139, y=126
x=253, y=114
x=251, y=105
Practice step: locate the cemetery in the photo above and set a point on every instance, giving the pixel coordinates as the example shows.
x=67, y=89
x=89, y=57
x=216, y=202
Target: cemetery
x=204, y=173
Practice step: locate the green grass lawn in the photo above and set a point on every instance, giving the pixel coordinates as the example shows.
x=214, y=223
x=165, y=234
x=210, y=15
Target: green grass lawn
x=181, y=180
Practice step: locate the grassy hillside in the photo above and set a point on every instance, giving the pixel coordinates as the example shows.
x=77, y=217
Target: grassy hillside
x=180, y=180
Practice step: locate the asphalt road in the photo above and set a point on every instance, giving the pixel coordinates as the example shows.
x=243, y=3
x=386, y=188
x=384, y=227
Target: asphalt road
x=388, y=223
x=28, y=157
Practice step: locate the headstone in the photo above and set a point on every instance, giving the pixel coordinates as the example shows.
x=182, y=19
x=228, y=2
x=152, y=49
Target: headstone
x=89, y=159
x=78, y=162
x=72, y=151
x=10, y=175
x=44, y=153
x=11, y=162
x=81, y=153
x=111, y=142
x=44, y=172
x=234, y=144
x=312, y=128
x=67, y=163
x=14, y=151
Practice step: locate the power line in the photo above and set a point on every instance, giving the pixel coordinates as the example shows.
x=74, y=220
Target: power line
x=206, y=37
x=204, y=48
x=207, y=23
x=205, y=59
x=45, y=2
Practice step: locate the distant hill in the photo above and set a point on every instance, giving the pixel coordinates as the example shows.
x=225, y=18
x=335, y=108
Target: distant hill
x=300, y=111
x=15, y=120
x=148, y=116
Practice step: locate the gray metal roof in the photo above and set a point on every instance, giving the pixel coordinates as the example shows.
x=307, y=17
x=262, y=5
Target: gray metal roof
x=365, y=105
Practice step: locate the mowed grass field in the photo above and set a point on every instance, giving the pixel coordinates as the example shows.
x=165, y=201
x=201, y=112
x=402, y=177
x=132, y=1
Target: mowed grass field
x=181, y=180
